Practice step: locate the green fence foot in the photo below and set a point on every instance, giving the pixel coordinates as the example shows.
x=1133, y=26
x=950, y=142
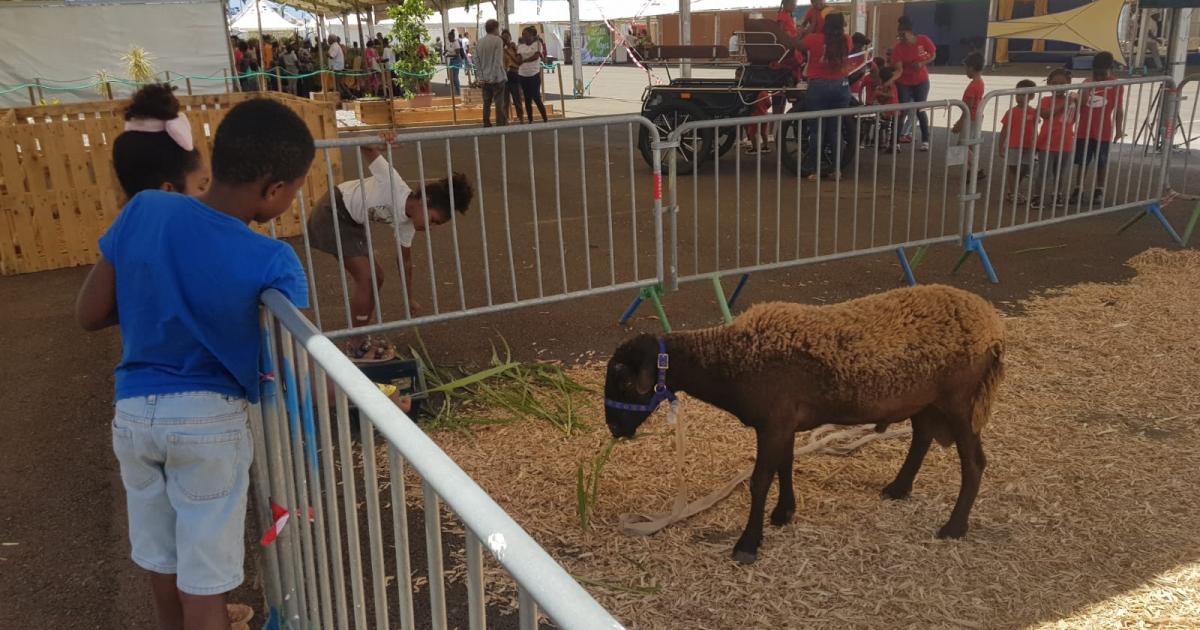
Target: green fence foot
x=654, y=294
x=1191, y=226
x=722, y=303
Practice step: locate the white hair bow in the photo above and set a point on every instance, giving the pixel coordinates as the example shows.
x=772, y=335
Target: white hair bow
x=178, y=128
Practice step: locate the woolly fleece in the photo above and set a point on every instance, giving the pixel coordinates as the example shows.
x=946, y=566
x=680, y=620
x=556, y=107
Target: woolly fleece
x=876, y=347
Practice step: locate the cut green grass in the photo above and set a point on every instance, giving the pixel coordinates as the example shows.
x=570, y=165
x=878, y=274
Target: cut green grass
x=517, y=390
x=587, y=484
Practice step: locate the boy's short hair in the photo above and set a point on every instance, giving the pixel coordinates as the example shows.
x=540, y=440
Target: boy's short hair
x=886, y=73
x=974, y=61
x=1026, y=83
x=261, y=139
x=904, y=23
x=1102, y=63
x=1059, y=72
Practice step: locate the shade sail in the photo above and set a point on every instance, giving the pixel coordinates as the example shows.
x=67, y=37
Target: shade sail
x=1093, y=25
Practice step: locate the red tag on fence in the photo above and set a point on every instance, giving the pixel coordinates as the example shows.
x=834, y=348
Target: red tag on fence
x=658, y=186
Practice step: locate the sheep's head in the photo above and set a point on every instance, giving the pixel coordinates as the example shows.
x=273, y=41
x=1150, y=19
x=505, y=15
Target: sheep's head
x=632, y=373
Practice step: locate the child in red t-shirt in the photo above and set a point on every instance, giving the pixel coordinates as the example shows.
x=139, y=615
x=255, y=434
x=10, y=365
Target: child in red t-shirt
x=1101, y=121
x=1056, y=137
x=759, y=134
x=972, y=96
x=884, y=93
x=1018, y=129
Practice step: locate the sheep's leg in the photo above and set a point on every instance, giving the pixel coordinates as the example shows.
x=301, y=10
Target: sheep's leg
x=970, y=456
x=771, y=451
x=901, y=487
x=785, y=509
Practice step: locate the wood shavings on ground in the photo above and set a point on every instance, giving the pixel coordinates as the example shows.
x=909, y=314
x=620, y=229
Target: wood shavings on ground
x=1086, y=517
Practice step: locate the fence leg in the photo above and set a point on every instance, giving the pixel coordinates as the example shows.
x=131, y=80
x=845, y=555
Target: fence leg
x=633, y=307
x=654, y=294
x=974, y=245
x=738, y=289
x=1155, y=210
x=721, y=302
x=1191, y=226
x=904, y=266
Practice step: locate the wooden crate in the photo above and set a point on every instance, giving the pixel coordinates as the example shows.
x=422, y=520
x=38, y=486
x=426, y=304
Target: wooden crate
x=371, y=112
x=58, y=191
x=464, y=115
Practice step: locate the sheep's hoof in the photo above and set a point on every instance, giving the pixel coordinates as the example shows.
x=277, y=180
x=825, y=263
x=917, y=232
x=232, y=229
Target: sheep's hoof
x=745, y=557
x=896, y=491
x=779, y=518
x=951, y=530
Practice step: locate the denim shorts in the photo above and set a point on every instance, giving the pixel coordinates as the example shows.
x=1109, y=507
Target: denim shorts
x=185, y=463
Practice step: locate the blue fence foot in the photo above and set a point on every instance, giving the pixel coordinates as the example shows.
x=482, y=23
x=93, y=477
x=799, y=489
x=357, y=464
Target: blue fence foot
x=633, y=307
x=908, y=272
x=272, y=620
x=738, y=290
x=972, y=244
x=1155, y=210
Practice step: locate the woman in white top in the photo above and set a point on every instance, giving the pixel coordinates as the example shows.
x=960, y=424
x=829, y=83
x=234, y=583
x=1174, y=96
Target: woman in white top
x=382, y=196
x=530, y=53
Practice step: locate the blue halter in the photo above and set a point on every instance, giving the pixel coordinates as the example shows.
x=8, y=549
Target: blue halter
x=661, y=392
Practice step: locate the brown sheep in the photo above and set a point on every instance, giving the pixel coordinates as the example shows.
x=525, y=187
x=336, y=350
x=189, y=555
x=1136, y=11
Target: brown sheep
x=932, y=354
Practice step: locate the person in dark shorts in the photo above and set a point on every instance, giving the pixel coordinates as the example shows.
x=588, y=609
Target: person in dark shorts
x=1101, y=121
x=381, y=196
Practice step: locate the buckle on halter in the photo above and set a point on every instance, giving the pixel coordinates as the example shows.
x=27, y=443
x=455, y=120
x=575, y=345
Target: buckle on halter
x=664, y=361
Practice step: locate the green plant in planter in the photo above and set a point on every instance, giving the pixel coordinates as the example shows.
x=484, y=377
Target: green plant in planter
x=411, y=68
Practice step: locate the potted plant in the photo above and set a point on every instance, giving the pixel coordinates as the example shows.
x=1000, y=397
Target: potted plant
x=414, y=65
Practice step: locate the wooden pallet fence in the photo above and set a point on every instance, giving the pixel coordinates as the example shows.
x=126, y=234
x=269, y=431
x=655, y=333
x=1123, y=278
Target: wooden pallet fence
x=58, y=190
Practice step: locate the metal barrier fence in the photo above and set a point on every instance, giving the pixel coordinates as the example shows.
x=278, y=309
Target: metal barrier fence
x=1184, y=149
x=587, y=224
x=869, y=192
x=1054, y=153
x=315, y=570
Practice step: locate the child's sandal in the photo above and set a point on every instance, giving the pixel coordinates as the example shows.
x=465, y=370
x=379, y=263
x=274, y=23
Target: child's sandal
x=239, y=613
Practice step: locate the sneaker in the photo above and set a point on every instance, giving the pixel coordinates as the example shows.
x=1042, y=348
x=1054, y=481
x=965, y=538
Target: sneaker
x=1074, y=198
x=1059, y=201
x=924, y=146
x=1098, y=197
x=905, y=139
x=1036, y=203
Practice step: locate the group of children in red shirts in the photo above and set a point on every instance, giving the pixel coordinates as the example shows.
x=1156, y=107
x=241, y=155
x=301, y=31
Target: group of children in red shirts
x=1063, y=134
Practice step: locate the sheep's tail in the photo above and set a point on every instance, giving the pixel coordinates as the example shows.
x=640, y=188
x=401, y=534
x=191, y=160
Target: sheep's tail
x=981, y=405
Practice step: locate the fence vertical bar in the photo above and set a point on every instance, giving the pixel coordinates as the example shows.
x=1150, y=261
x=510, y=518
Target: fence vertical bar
x=583, y=200
x=512, y=267
x=396, y=238
x=333, y=208
x=612, y=252
x=475, y=596
x=376, y=298
x=312, y=274
x=562, y=247
x=335, y=531
x=350, y=500
x=289, y=498
x=404, y=586
x=462, y=295
x=366, y=432
x=433, y=552
x=487, y=268
x=315, y=499
x=537, y=227
x=300, y=472
x=526, y=610
x=633, y=204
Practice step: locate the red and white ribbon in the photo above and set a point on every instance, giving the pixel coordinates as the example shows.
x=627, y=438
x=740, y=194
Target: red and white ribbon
x=279, y=517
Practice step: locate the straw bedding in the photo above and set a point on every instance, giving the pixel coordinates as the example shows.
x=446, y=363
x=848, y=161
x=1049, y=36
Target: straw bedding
x=1086, y=518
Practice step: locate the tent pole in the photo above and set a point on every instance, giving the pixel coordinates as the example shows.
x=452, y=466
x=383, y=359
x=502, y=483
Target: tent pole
x=989, y=44
x=717, y=28
x=1181, y=20
x=322, y=26
x=859, y=18
x=875, y=29
x=228, y=37
x=576, y=47
x=685, y=34
x=261, y=58
x=362, y=43
x=1139, y=50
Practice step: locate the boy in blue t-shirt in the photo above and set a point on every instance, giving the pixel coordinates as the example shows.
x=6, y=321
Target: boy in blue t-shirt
x=182, y=277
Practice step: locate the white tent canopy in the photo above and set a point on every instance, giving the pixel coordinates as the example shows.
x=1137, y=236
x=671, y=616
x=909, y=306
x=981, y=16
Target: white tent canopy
x=272, y=21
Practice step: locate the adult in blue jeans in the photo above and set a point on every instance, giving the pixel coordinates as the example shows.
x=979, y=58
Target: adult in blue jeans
x=828, y=88
x=454, y=61
x=909, y=57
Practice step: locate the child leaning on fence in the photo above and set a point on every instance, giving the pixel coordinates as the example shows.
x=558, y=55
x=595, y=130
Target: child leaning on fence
x=183, y=277
x=1056, y=138
x=1018, y=136
x=1101, y=121
x=384, y=197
